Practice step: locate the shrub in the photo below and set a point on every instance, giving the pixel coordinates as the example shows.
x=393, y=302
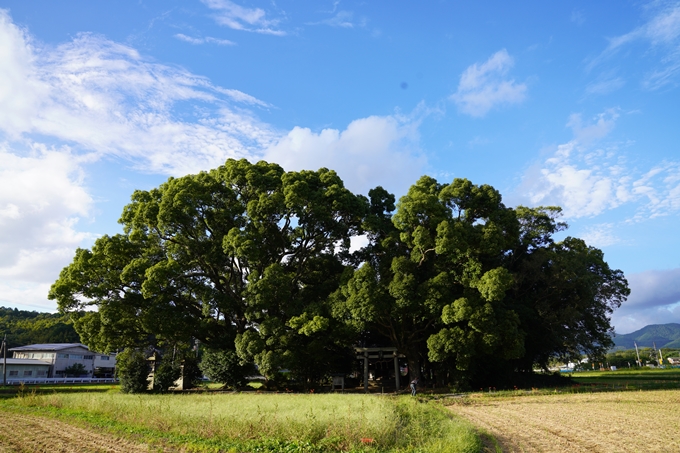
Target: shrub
x=133, y=371
x=224, y=367
x=166, y=375
x=75, y=370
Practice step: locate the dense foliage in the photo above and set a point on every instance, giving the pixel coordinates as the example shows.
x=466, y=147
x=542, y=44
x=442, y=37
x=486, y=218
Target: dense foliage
x=75, y=370
x=225, y=367
x=31, y=327
x=132, y=369
x=256, y=262
x=166, y=375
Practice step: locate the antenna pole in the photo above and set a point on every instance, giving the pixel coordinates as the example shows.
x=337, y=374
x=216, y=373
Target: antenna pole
x=638, y=354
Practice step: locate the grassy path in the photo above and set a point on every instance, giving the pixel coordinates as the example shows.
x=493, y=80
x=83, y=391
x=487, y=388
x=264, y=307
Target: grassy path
x=599, y=422
x=23, y=433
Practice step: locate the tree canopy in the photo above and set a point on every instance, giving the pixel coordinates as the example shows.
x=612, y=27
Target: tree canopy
x=251, y=259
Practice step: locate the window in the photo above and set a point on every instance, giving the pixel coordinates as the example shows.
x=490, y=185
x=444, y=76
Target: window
x=105, y=357
x=28, y=372
x=62, y=356
x=13, y=373
x=41, y=373
x=89, y=357
x=75, y=356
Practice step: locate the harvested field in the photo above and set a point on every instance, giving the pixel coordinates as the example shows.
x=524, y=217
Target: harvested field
x=597, y=422
x=32, y=434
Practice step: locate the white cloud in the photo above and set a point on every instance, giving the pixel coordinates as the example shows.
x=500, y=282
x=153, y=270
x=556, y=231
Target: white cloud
x=371, y=151
x=584, y=182
x=600, y=236
x=91, y=98
x=602, y=125
x=207, y=39
x=342, y=19
x=483, y=87
x=660, y=186
x=587, y=180
x=662, y=33
x=25, y=295
x=605, y=85
x=42, y=198
x=238, y=17
x=654, y=299
x=582, y=192
x=97, y=95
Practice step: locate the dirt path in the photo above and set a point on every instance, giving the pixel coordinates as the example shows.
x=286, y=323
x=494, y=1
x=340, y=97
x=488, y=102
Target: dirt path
x=605, y=422
x=32, y=434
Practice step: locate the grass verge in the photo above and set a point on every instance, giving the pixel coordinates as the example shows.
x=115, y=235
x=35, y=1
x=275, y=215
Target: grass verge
x=263, y=422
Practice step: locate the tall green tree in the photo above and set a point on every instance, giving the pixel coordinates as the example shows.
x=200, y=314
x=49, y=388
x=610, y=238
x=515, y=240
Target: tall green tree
x=439, y=262
x=459, y=282
x=242, y=257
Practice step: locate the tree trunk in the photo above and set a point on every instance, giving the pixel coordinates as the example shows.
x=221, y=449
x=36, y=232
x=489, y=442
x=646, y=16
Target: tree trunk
x=413, y=359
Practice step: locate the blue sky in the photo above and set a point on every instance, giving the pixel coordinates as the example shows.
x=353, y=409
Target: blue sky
x=572, y=103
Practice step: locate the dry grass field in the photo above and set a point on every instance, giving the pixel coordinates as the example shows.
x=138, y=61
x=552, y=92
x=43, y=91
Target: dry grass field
x=32, y=434
x=596, y=422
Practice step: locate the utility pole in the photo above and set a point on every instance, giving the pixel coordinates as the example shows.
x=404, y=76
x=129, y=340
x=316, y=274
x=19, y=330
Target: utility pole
x=4, y=360
x=638, y=354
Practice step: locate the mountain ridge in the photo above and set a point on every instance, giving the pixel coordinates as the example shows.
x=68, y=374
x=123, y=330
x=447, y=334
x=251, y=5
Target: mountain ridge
x=664, y=335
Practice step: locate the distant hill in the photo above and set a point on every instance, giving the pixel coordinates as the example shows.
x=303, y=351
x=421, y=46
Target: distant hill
x=30, y=327
x=664, y=335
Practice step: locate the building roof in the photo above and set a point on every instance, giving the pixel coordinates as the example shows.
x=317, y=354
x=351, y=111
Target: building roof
x=25, y=362
x=49, y=347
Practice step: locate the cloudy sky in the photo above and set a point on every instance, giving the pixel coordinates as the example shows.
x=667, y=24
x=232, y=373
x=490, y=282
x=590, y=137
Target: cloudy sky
x=568, y=103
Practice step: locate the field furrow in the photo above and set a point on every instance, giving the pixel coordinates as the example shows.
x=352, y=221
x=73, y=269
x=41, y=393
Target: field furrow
x=604, y=422
x=32, y=434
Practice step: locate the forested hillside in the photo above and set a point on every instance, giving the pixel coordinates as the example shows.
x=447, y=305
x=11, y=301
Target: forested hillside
x=664, y=335
x=29, y=327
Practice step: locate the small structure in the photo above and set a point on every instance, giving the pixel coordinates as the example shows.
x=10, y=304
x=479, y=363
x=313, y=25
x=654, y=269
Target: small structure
x=338, y=381
x=368, y=354
x=674, y=360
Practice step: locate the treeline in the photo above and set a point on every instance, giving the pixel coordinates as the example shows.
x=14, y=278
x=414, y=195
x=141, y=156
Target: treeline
x=30, y=327
x=257, y=263
x=648, y=356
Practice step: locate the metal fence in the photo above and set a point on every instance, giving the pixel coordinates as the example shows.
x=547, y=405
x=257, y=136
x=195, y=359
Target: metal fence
x=61, y=381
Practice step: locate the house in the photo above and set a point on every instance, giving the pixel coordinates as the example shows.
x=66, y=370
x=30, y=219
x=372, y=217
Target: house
x=60, y=356
x=674, y=360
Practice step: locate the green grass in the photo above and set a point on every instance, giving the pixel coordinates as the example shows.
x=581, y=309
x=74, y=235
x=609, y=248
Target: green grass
x=635, y=379
x=265, y=422
x=11, y=391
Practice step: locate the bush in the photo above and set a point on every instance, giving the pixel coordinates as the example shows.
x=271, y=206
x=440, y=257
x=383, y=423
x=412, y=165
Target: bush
x=133, y=371
x=224, y=367
x=165, y=376
x=75, y=370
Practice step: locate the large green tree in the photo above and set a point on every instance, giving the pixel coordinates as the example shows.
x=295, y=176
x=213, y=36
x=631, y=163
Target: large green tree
x=254, y=260
x=441, y=261
x=460, y=283
x=241, y=257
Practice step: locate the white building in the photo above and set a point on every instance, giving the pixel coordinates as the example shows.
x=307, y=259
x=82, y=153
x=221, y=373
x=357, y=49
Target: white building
x=25, y=369
x=61, y=356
